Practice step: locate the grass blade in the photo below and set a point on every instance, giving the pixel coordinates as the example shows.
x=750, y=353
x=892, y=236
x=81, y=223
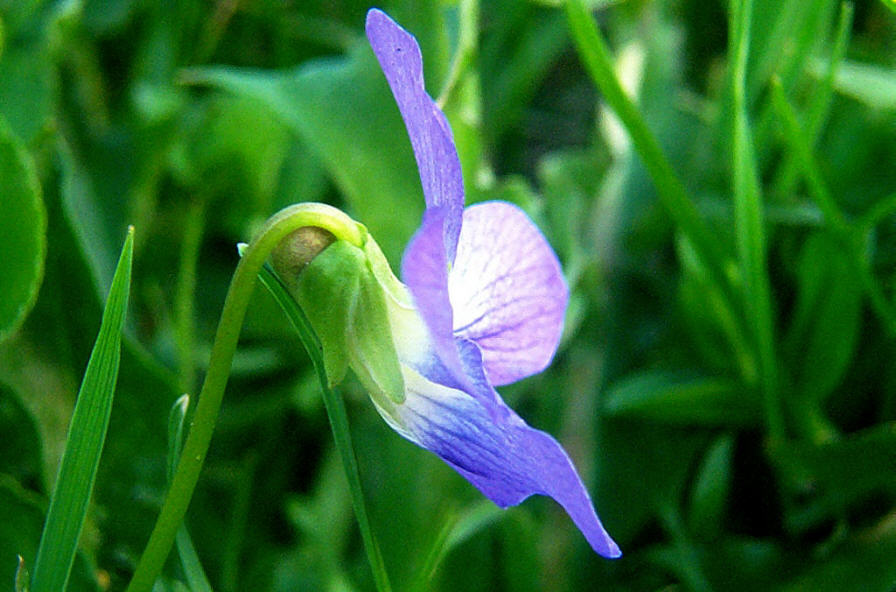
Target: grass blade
x=748, y=225
x=338, y=421
x=87, y=432
x=820, y=103
x=799, y=143
x=671, y=191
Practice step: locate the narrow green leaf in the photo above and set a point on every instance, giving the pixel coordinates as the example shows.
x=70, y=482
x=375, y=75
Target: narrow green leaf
x=819, y=104
x=683, y=400
x=672, y=193
x=818, y=189
x=459, y=527
x=748, y=227
x=824, y=332
x=711, y=489
x=23, y=228
x=87, y=432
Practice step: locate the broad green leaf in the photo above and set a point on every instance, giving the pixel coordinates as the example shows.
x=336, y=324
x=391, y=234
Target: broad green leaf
x=23, y=227
x=675, y=398
x=87, y=433
x=27, y=87
x=344, y=110
x=826, y=319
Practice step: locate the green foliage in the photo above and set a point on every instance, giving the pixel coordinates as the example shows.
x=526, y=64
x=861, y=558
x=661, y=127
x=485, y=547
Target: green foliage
x=86, y=436
x=716, y=178
x=23, y=228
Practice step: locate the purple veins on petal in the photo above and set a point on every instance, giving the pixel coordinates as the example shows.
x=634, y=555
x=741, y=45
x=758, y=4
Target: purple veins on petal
x=507, y=291
x=440, y=173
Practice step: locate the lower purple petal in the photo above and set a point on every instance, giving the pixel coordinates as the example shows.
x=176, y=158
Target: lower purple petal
x=505, y=459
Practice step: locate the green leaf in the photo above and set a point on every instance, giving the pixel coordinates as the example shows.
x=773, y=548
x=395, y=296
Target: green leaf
x=87, y=432
x=824, y=332
x=711, y=489
x=749, y=230
x=676, y=398
x=27, y=87
x=458, y=528
x=23, y=227
x=344, y=110
x=872, y=84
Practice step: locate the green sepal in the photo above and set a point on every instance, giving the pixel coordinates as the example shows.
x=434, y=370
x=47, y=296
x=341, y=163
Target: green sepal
x=346, y=306
x=327, y=290
x=370, y=339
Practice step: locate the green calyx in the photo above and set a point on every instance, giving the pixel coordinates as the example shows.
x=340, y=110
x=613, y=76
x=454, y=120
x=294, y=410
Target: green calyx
x=344, y=288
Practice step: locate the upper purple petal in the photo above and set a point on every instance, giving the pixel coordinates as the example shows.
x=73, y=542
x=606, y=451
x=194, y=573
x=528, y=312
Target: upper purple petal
x=507, y=291
x=505, y=459
x=431, y=139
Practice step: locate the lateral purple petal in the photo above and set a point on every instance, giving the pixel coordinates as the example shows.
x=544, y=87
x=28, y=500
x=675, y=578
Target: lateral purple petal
x=507, y=291
x=424, y=269
x=506, y=460
x=430, y=134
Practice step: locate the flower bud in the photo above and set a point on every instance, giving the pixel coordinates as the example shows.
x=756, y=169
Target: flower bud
x=297, y=250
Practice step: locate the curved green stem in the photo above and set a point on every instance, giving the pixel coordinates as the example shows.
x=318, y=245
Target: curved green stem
x=195, y=448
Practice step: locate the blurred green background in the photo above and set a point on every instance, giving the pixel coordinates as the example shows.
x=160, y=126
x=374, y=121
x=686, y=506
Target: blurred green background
x=722, y=453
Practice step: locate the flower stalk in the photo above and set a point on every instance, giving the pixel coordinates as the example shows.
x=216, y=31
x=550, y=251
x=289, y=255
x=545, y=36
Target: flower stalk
x=277, y=228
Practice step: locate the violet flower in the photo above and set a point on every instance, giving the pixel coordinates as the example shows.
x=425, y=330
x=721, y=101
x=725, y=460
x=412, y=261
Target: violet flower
x=487, y=304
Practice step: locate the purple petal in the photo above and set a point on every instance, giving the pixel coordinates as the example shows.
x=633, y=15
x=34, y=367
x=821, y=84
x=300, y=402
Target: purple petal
x=507, y=291
x=437, y=160
x=506, y=460
x=424, y=270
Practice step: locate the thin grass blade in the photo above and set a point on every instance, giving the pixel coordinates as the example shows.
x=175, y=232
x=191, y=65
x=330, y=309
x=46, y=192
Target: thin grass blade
x=87, y=433
x=749, y=230
x=671, y=191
